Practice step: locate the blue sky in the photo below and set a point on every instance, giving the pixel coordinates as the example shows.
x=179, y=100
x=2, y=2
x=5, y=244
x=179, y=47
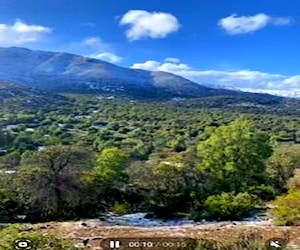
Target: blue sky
x=250, y=44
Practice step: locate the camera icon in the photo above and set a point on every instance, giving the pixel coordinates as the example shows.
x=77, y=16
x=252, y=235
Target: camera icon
x=23, y=244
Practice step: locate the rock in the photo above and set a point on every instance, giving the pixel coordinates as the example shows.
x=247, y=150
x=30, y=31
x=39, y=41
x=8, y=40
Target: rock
x=98, y=238
x=103, y=217
x=28, y=229
x=85, y=241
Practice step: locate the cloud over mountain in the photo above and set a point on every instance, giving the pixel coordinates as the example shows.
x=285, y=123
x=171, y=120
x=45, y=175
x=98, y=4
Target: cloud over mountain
x=108, y=56
x=95, y=47
x=144, y=24
x=247, y=80
x=21, y=33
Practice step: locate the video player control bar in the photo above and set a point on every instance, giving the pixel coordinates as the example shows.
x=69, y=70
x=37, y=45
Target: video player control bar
x=148, y=243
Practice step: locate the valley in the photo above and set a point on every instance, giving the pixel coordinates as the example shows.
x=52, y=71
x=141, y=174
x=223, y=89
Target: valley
x=153, y=133
x=153, y=125
x=78, y=145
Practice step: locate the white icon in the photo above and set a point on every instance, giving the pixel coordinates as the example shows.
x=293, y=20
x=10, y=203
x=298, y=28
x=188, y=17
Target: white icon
x=23, y=244
x=275, y=243
x=114, y=244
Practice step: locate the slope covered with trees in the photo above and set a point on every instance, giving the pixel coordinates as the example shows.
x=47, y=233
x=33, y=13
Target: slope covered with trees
x=91, y=155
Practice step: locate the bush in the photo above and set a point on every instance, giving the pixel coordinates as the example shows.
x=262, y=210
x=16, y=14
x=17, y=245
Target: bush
x=167, y=186
x=294, y=182
x=264, y=192
x=227, y=206
x=121, y=208
x=282, y=163
x=40, y=240
x=10, y=206
x=286, y=209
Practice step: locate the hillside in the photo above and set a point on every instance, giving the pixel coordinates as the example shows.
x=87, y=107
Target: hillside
x=67, y=72
x=16, y=96
x=162, y=178
x=72, y=73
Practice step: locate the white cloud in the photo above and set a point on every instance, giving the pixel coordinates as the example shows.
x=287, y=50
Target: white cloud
x=235, y=24
x=148, y=65
x=144, y=24
x=95, y=43
x=95, y=47
x=172, y=60
x=167, y=65
x=108, y=56
x=21, y=33
x=250, y=80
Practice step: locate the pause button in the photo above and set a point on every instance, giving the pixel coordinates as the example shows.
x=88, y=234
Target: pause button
x=114, y=244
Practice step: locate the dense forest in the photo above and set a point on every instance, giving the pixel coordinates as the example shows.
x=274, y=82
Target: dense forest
x=83, y=156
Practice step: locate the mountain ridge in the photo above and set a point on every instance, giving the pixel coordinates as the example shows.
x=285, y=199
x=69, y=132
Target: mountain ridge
x=66, y=72
x=60, y=71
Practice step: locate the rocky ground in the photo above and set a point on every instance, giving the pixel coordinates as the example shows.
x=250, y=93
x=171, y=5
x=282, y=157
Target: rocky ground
x=92, y=232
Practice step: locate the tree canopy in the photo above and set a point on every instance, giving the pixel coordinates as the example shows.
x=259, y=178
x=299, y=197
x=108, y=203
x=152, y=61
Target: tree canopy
x=234, y=154
x=51, y=181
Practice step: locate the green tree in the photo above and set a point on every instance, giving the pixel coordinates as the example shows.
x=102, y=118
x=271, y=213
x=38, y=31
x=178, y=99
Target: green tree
x=51, y=182
x=10, y=205
x=108, y=180
x=10, y=160
x=6, y=138
x=168, y=186
x=282, y=163
x=110, y=165
x=23, y=143
x=229, y=206
x=234, y=155
x=286, y=209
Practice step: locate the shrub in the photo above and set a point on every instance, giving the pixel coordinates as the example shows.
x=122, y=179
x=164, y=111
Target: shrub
x=227, y=206
x=264, y=192
x=282, y=163
x=294, y=182
x=286, y=209
x=40, y=240
x=10, y=206
x=121, y=208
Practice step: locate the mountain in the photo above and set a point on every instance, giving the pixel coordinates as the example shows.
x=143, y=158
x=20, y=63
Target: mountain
x=65, y=72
